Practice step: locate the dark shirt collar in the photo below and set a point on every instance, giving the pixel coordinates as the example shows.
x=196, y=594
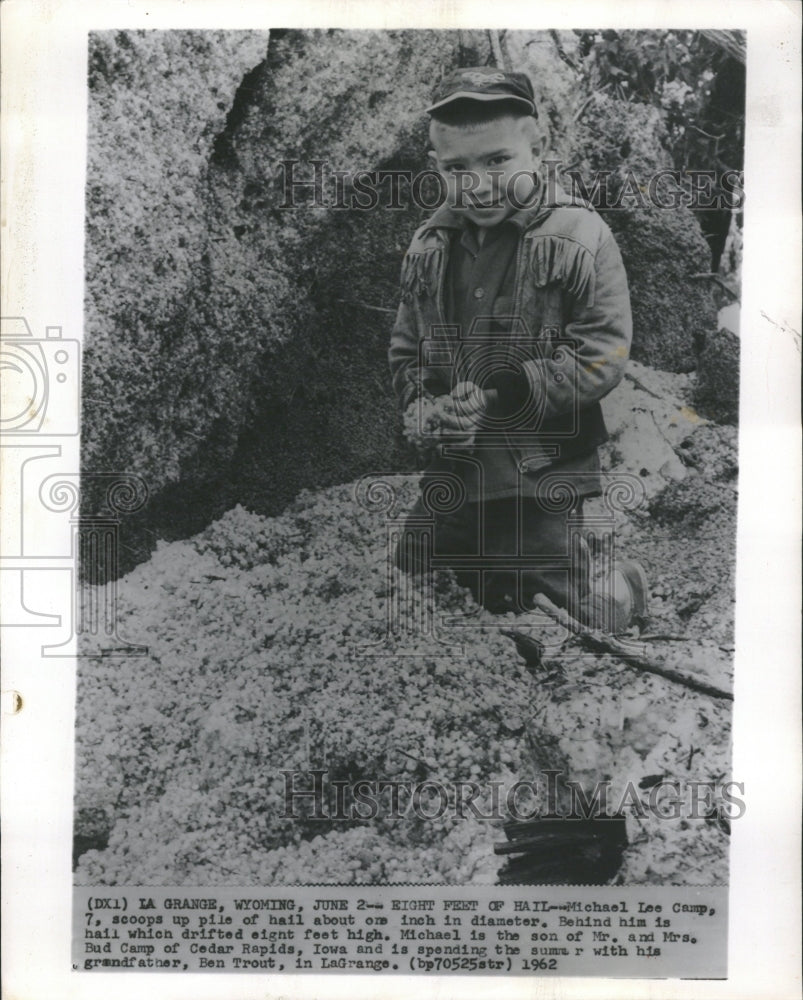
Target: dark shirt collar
x=469, y=234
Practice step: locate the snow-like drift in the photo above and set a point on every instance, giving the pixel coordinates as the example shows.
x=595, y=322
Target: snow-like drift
x=259, y=661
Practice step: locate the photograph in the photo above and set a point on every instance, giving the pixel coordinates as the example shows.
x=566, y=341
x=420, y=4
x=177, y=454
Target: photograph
x=411, y=385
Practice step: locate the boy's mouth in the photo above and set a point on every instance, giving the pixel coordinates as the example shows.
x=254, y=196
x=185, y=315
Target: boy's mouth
x=486, y=207
x=486, y=211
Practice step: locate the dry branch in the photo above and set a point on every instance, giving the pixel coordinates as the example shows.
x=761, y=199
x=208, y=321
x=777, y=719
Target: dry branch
x=602, y=642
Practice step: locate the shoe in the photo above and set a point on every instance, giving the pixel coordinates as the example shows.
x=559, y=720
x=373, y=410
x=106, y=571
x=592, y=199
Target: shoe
x=618, y=602
x=630, y=595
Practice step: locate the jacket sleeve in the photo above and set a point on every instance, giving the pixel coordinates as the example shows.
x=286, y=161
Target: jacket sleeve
x=416, y=367
x=403, y=356
x=596, y=345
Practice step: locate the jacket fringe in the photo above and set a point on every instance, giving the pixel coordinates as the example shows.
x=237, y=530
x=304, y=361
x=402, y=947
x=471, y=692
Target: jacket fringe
x=420, y=273
x=554, y=259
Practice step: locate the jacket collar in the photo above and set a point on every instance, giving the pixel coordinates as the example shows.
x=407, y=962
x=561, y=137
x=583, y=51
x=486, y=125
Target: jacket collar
x=547, y=199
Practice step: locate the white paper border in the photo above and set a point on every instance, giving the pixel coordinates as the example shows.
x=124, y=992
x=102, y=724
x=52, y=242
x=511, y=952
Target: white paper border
x=43, y=145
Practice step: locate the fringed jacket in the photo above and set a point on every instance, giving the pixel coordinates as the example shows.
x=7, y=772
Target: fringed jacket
x=559, y=351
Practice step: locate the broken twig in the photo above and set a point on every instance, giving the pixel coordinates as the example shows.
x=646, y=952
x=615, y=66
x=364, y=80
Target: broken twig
x=366, y=305
x=640, y=385
x=561, y=51
x=582, y=110
x=601, y=641
x=711, y=276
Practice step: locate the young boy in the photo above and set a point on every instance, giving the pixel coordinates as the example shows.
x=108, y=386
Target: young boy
x=514, y=322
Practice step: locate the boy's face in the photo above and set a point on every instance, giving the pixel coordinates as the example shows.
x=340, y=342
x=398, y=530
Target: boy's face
x=487, y=168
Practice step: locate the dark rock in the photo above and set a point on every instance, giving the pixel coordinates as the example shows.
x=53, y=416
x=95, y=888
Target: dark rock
x=223, y=328
x=621, y=146
x=713, y=450
x=616, y=140
x=671, y=311
x=692, y=501
x=717, y=391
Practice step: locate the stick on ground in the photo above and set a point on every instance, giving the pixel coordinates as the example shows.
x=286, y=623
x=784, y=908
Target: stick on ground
x=602, y=642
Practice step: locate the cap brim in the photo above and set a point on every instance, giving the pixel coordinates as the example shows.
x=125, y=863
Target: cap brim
x=470, y=95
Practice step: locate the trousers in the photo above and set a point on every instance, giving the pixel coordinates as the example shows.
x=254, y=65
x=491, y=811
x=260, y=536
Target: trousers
x=504, y=550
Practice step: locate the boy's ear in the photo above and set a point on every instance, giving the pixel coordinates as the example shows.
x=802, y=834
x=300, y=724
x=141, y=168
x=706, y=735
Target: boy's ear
x=538, y=145
x=432, y=159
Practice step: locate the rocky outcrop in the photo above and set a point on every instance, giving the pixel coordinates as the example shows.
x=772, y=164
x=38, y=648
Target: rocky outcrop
x=154, y=379
x=622, y=144
x=218, y=315
x=717, y=393
x=672, y=313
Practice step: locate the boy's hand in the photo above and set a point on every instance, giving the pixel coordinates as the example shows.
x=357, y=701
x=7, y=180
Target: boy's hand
x=468, y=405
x=452, y=419
x=430, y=420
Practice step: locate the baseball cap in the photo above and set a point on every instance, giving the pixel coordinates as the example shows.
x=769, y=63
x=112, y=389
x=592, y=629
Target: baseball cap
x=484, y=83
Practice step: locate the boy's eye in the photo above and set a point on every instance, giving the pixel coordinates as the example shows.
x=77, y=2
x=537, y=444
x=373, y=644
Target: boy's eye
x=502, y=158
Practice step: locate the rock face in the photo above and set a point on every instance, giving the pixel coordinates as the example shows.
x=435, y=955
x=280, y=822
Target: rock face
x=313, y=275
x=662, y=247
x=157, y=101
x=671, y=311
x=215, y=315
x=235, y=346
x=717, y=393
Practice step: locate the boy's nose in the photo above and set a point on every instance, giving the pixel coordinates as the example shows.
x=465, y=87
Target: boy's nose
x=490, y=188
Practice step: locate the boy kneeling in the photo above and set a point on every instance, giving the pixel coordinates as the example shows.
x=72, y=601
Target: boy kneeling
x=514, y=322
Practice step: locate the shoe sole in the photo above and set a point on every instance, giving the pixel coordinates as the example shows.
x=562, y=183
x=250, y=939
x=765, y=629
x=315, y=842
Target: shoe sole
x=636, y=579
